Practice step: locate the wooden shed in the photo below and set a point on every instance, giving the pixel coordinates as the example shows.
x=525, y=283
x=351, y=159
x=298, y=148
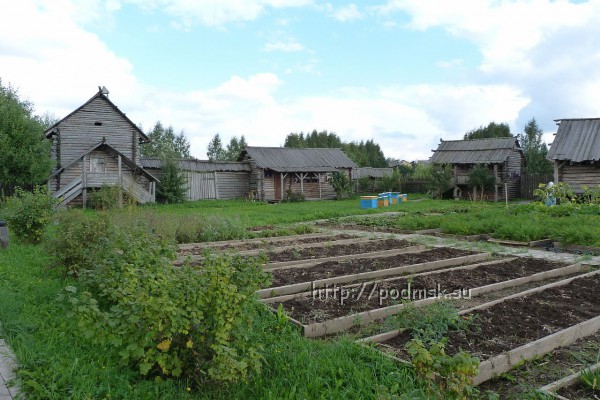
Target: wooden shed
x=575, y=152
x=96, y=145
x=503, y=156
x=276, y=170
x=208, y=179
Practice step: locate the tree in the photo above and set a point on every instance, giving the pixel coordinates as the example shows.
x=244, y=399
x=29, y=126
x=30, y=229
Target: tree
x=481, y=177
x=24, y=154
x=441, y=180
x=216, y=152
x=164, y=143
x=235, y=147
x=364, y=154
x=491, y=131
x=341, y=184
x=534, y=149
x=171, y=188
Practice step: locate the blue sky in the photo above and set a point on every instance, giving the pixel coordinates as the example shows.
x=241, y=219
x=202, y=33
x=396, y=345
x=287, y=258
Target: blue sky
x=402, y=72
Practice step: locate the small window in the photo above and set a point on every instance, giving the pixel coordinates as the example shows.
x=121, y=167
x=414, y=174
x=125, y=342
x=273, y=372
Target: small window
x=97, y=164
x=98, y=123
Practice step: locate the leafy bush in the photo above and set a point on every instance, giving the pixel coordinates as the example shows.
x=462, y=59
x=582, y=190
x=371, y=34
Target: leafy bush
x=80, y=241
x=166, y=321
x=293, y=197
x=560, y=191
x=441, y=180
x=481, y=177
x=341, y=184
x=431, y=324
x=28, y=213
x=447, y=377
x=108, y=197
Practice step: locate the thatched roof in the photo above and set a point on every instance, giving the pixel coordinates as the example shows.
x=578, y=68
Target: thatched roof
x=474, y=151
x=286, y=159
x=576, y=140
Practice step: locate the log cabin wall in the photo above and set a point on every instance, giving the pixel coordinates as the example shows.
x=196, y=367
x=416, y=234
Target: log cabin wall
x=577, y=175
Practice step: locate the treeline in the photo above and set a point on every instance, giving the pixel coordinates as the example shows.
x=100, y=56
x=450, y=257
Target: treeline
x=364, y=153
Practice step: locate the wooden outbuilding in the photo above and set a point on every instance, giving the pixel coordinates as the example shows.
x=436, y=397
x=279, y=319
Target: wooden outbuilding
x=503, y=156
x=575, y=152
x=276, y=170
x=96, y=145
x=208, y=179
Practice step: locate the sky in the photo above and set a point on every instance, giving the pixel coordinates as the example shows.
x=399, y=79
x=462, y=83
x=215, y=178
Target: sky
x=405, y=73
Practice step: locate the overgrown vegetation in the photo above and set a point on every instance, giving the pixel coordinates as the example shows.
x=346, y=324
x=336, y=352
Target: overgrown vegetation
x=481, y=177
x=172, y=186
x=293, y=197
x=165, y=321
x=28, y=213
x=341, y=184
x=441, y=180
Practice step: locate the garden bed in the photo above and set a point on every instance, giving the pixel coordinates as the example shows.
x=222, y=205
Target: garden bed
x=335, y=268
x=263, y=243
x=311, y=308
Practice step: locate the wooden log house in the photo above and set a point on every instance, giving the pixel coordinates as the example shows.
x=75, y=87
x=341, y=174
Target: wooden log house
x=96, y=145
x=503, y=156
x=277, y=170
x=575, y=153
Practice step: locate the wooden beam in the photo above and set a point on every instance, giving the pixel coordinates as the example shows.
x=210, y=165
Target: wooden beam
x=281, y=193
x=496, y=183
x=216, y=185
x=319, y=181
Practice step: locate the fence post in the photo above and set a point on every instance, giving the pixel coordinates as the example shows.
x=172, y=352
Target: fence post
x=4, y=235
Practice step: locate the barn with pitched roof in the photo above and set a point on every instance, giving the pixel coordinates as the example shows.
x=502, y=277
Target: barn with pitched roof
x=575, y=152
x=503, y=156
x=276, y=171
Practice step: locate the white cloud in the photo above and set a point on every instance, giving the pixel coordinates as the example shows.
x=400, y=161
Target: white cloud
x=285, y=46
x=447, y=64
x=347, y=13
x=217, y=13
x=546, y=48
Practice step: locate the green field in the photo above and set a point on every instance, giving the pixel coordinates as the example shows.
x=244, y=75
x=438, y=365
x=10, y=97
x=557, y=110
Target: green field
x=57, y=363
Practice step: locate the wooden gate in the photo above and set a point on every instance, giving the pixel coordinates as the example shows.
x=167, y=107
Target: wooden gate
x=531, y=182
x=201, y=185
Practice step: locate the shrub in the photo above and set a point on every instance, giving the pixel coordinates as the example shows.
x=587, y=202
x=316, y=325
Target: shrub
x=293, y=197
x=447, y=377
x=171, y=188
x=80, y=241
x=441, y=180
x=108, y=197
x=166, y=321
x=28, y=213
x=341, y=184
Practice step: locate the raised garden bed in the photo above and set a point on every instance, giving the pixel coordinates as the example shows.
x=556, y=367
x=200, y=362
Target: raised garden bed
x=312, y=308
x=524, y=325
x=336, y=268
x=571, y=387
x=262, y=243
x=310, y=251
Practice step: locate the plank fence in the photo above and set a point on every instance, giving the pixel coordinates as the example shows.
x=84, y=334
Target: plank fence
x=531, y=182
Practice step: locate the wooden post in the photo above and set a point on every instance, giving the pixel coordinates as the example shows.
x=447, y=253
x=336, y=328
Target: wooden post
x=84, y=180
x=120, y=181
x=556, y=167
x=496, y=183
x=301, y=182
x=319, y=181
x=281, y=193
x=506, y=194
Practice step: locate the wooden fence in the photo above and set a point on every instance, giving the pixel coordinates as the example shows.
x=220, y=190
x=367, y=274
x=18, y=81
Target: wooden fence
x=531, y=182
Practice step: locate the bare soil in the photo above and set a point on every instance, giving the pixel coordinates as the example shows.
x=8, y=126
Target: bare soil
x=347, y=300
x=330, y=269
x=580, y=391
x=331, y=250
x=534, y=374
x=267, y=244
x=515, y=322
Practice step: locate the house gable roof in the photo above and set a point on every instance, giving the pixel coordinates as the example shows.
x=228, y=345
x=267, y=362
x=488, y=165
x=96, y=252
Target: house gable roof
x=108, y=148
x=475, y=151
x=99, y=95
x=287, y=159
x=576, y=140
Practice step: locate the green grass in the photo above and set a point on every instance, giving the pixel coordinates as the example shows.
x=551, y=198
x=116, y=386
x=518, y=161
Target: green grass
x=55, y=363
